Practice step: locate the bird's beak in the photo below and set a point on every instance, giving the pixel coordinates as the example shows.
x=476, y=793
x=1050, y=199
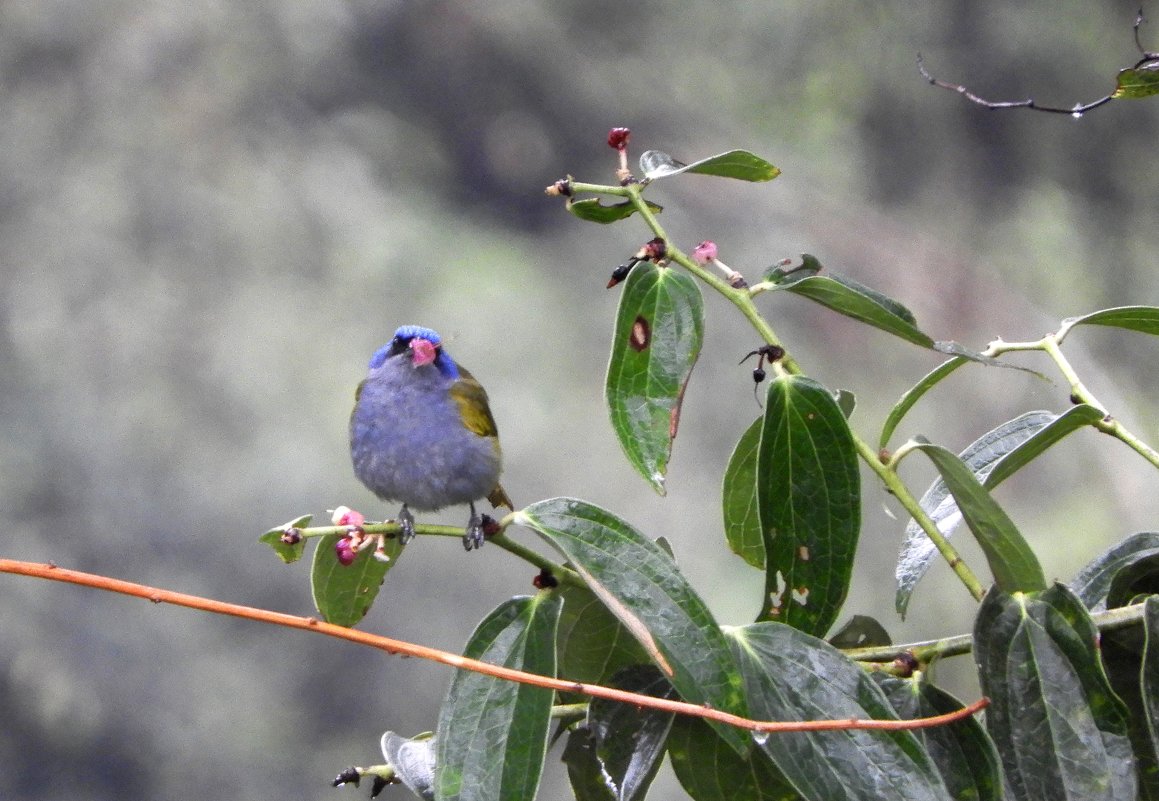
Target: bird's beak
x=423, y=351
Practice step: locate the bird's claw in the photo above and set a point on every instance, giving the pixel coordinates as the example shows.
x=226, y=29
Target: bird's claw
x=406, y=526
x=474, y=536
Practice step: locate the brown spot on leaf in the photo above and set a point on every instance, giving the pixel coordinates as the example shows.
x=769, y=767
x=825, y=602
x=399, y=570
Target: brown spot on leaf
x=641, y=336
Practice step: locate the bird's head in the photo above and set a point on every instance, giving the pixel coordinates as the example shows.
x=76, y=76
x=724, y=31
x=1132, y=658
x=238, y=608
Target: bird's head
x=422, y=345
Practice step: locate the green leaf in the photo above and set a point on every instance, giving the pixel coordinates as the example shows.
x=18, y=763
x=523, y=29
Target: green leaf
x=659, y=331
x=739, y=164
x=1060, y=730
x=629, y=741
x=492, y=734
x=1124, y=655
x=413, y=761
x=592, y=210
x=742, y=523
x=1135, y=581
x=1144, y=319
x=1149, y=710
x=1139, y=81
x=592, y=643
x=288, y=552
x=853, y=299
x=914, y=394
x=343, y=594
x=1011, y=560
x=711, y=771
x=809, y=502
x=792, y=676
x=962, y=751
x=993, y=458
x=639, y=582
x=584, y=771
x=848, y=297
x=860, y=631
x=1093, y=582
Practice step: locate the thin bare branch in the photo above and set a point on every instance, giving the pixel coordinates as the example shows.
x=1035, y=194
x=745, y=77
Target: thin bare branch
x=1077, y=110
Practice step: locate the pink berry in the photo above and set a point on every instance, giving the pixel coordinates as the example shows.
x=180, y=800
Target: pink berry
x=344, y=552
x=705, y=252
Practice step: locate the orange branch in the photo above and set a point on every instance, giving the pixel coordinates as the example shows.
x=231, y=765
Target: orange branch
x=159, y=596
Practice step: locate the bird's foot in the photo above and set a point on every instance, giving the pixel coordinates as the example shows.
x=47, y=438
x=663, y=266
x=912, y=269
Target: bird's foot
x=474, y=536
x=406, y=525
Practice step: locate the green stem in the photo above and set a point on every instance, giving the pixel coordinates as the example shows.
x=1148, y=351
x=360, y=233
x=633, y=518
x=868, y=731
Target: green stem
x=927, y=651
x=1079, y=393
x=743, y=300
x=896, y=487
x=561, y=572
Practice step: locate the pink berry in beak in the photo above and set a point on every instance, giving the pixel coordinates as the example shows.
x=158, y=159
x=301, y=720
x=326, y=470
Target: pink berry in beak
x=423, y=350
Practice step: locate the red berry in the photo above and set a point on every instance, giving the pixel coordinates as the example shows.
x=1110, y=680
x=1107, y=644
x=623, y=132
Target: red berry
x=618, y=138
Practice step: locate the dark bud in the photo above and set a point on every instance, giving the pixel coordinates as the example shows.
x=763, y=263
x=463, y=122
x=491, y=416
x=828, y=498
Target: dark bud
x=379, y=785
x=560, y=187
x=758, y=375
x=1075, y=399
x=618, y=138
x=347, y=776
x=620, y=273
x=737, y=282
x=490, y=526
x=655, y=250
x=545, y=580
x=291, y=536
x=905, y=665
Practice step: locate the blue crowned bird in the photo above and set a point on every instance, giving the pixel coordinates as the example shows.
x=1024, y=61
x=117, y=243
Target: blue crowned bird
x=421, y=432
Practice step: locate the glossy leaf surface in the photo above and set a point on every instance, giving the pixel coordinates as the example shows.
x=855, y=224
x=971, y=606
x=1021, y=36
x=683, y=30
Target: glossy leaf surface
x=659, y=331
x=739, y=164
x=992, y=458
x=593, y=645
x=492, y=734
x=629, y=741
x=711, y=771
x=793, y=676
x=962, y=751
x=1144, y=319
x=851, y=298
x=639, y=582
x=413, y=760
x=1093, y=582
x=809, y=503
x=1011, y=560
x=742, y=522
x=1060, y=730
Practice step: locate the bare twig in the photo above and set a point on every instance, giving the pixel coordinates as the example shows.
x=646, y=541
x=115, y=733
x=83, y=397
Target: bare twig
x=1076, y=111
x=391, y=646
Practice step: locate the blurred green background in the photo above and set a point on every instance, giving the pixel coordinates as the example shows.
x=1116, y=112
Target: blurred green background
x=212, y=213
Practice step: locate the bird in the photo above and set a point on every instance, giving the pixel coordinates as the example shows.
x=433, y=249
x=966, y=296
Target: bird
x=421, y=433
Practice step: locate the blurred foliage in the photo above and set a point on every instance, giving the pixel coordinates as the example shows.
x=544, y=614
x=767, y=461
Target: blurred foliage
x=210, y=216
